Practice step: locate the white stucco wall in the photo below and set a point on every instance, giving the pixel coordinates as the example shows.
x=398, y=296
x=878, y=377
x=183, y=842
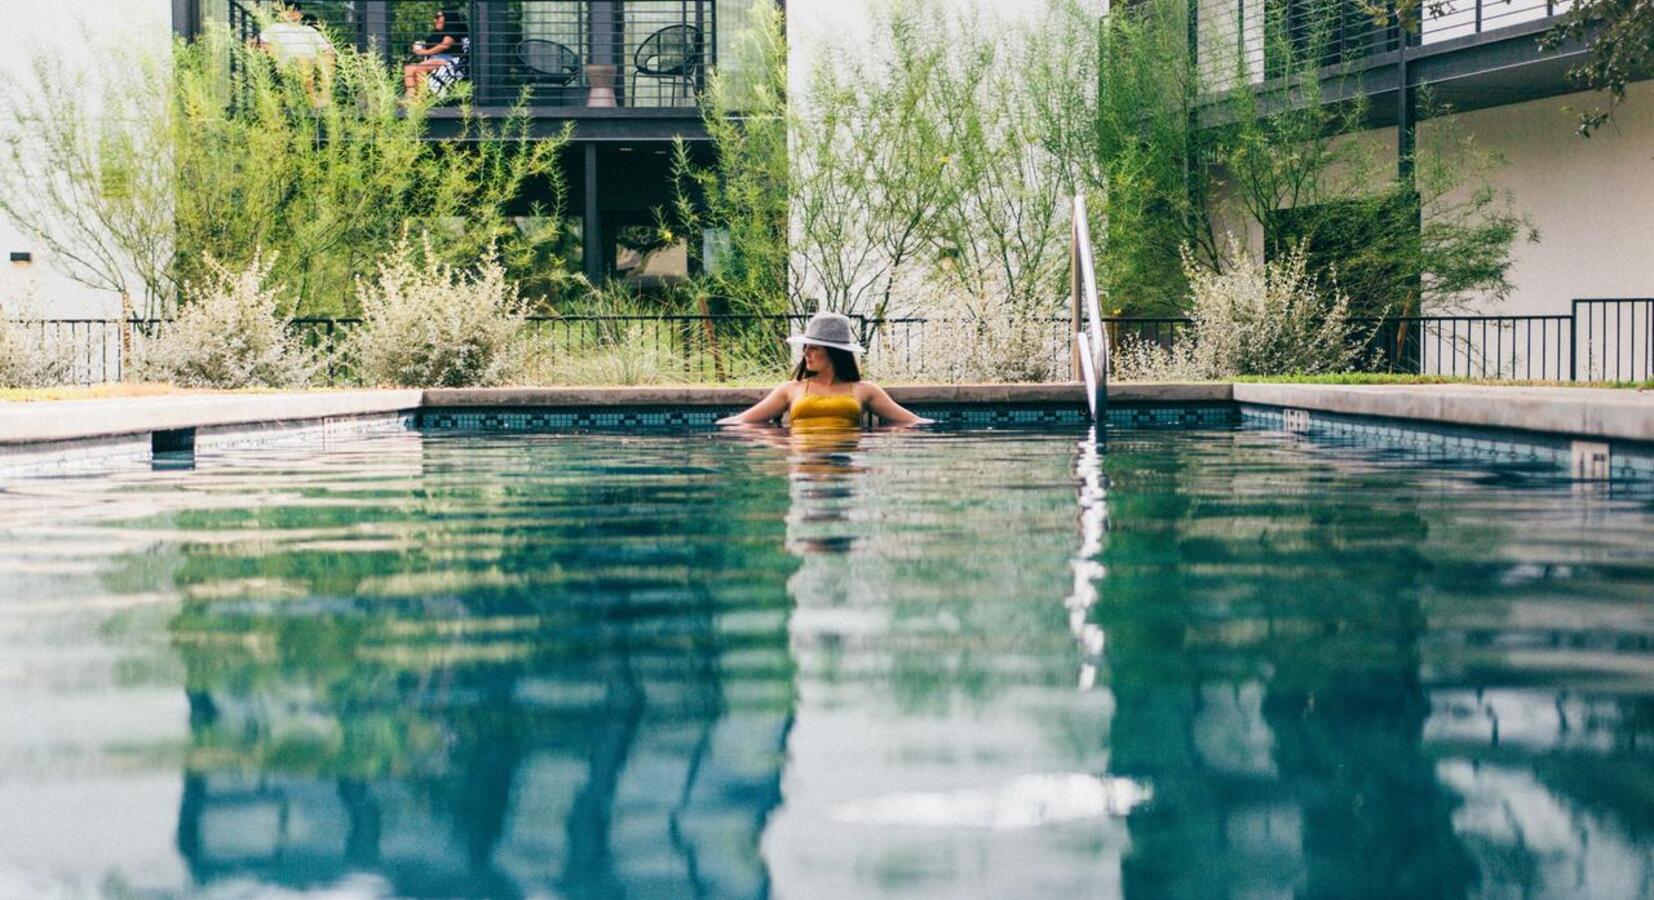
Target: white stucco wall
x=1591, y=200
x=74, y=32
x=815, y=25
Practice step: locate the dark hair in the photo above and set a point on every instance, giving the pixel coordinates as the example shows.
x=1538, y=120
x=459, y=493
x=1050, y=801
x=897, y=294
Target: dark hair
x=844, y=366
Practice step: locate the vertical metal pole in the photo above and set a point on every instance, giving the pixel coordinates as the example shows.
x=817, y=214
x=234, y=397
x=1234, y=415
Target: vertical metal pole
x=1573, y=342
x=376, y=24
x=484, y=79
x=186, y=19
x=592, y=230
x=1073, y=300
x=1617, y=319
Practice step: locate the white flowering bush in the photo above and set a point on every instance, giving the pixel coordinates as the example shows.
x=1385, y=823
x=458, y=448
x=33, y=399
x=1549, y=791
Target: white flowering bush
x=30, y=358
x=428, y=324
x=229, y=332
x=965, y=339
x=1254, y=319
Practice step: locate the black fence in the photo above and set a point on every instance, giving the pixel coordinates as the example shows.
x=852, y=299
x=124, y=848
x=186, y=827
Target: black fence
x=1601, y=340
x=1526, y=348
x=556, y=53
x=1616, y=339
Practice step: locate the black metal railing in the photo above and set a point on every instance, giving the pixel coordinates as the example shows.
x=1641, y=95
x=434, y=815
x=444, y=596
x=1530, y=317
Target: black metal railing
x=1257, y=40
x=1600, y=340
x=1525, y=348
x=551, y=53
x=1616, y=339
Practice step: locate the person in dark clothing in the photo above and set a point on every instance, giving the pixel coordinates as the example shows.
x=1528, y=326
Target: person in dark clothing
x=444, y=48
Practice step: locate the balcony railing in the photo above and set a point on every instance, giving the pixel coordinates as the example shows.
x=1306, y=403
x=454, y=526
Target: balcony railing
x=1257, y=40
x=552, y=53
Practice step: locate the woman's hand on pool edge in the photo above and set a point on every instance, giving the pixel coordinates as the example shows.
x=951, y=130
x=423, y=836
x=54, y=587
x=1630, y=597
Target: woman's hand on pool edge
x=889, y=411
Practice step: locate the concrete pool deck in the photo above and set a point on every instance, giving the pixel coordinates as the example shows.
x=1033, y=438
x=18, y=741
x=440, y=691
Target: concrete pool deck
x=1618, y=414
x=1579, y=412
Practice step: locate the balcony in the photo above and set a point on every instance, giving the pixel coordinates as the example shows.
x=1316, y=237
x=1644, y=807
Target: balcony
x=1471, y=53
x=654, y=56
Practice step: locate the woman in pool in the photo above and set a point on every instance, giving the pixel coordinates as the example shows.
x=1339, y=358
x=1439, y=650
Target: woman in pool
x=826, y=389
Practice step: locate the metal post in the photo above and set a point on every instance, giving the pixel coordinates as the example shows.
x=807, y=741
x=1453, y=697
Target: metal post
x=1406, y=111
x=1074, y=307
x=592, y=232
x=376, y=25
x=1573, y=342
x=186, y=19
x=483, y=76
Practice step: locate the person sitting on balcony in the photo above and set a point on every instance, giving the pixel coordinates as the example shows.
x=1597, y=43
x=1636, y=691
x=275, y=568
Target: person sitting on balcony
x=441, y=55
x=826, y=390
x=294, y=40
x=292, y=36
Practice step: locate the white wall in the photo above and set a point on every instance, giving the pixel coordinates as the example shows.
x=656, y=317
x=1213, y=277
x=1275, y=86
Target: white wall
x=75, y=32
x=1591, y=200
x=815, y=25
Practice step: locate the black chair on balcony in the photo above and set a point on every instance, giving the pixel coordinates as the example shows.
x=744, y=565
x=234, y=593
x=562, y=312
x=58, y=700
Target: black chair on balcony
x=551, y=62
x=676, y=52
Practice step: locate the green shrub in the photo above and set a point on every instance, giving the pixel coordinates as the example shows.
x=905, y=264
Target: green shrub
x=428, y=324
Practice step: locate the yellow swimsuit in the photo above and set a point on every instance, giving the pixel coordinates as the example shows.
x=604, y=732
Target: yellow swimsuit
x=826, y=410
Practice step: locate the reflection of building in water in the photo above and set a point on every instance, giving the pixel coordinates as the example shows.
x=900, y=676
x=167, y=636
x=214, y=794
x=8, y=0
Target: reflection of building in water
x=1554, y=777
x=567, y=675
x=941, y=746
x=1336, y=695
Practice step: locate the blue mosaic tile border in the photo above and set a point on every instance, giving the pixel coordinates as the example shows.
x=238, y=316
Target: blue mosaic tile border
x=1439, y=442
x=1207, y=415
x=1627, y=460
x=229, y=437
x=54, y=457
x=965, y=415
x=1004, y=416
x=568, y=419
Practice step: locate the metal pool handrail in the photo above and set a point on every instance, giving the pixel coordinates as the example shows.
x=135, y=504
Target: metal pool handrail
x=1091, y=350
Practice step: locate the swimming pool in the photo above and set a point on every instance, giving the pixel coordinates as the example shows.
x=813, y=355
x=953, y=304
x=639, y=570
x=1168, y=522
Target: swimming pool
x=1016, y=662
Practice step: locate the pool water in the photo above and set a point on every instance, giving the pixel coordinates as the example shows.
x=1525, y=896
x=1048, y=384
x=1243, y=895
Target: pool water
x=928, y=664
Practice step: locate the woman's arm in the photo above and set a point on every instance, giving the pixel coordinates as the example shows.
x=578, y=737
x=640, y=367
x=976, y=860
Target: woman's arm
x=447, y=42
x=766, y=409
x=889, y=411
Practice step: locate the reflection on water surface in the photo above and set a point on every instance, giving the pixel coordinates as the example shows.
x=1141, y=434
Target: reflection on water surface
x=917, y=664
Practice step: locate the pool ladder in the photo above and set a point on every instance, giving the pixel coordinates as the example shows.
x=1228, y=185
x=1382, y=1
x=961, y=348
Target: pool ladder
x=1091, y=349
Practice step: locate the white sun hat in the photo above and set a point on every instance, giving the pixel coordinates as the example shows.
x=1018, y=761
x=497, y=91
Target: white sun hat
x=829, y=330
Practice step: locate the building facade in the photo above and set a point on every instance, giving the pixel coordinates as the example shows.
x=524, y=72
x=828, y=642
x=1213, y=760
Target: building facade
x=1480, y=64
x=627, y=75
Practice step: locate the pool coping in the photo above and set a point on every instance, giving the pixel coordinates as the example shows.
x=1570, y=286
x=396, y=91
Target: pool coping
x=1577, y=412
x=1612, y=413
